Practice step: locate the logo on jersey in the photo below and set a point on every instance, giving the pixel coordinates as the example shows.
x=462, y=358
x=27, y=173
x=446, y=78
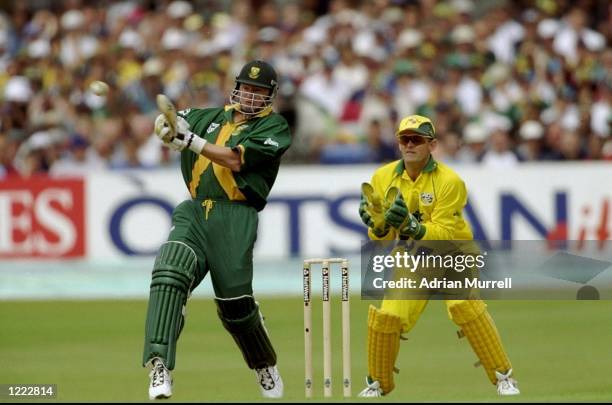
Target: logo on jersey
x=254, y=73
x=269, y=141
x=183, y=113
x=239, y=129
x=427, y=198
x=212, y=127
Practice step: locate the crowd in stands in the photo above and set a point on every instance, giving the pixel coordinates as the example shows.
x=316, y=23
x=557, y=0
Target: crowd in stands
x=504, y=82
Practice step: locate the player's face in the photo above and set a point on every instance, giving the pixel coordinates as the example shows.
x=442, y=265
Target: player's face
x=415, y=148
x=252, y=99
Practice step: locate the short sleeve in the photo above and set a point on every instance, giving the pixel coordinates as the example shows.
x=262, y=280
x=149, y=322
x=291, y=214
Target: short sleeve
x=266, y=143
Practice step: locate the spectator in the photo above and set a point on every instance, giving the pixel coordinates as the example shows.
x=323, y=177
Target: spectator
x=531, y=133
x=499, y=153
x=571, y=147
x=9, y=145
x=343, y=65
x=411, y=90
x=381, y=149
x=475, y=136
x=78, y=160
x=326, y=90
x=449, y=148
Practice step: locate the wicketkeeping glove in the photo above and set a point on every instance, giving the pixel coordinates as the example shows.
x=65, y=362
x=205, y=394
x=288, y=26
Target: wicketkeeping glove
x=366, y=218
x=400, y=218
x=371, y=211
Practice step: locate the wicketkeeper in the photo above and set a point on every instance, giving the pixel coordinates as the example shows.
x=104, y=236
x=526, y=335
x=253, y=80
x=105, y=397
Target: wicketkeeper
x=428, y=206
x=230, y=157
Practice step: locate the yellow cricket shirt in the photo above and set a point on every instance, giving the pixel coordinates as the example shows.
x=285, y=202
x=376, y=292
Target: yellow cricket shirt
x=436, y=198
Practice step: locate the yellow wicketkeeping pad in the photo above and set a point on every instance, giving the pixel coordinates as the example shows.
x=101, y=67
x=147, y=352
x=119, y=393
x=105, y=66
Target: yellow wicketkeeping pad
x=478, y=326
x=383, y=346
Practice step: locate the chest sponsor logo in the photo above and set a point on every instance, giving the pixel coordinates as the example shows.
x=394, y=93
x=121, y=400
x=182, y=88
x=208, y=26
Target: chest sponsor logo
x=272, y=142
x=212, y=127
x=427, y=198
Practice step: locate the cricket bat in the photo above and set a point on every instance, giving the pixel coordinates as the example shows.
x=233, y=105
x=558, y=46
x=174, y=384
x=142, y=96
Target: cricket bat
x=169, y=110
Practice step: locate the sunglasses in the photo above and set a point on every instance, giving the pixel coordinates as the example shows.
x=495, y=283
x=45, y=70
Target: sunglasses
x=414, y=139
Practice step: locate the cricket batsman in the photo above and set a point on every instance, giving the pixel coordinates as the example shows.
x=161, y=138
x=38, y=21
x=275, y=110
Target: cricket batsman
x=230, y=157
x=435, y=214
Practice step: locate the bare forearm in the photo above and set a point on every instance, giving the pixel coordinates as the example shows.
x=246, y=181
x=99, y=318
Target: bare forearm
x=223, y=156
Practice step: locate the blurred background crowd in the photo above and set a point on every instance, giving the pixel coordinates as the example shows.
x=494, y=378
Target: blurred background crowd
x=504, y=82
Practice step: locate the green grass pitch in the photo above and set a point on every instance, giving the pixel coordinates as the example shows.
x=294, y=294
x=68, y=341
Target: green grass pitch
x=561, y=351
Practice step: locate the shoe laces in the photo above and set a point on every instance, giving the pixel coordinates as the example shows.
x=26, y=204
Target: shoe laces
x=265, y=378
x=505, y=384
x=504, y=381
x=158, y=374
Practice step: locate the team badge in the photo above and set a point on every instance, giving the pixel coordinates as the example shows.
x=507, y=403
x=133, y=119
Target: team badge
x=254, y=73
x=212, y=127
x=427, y=198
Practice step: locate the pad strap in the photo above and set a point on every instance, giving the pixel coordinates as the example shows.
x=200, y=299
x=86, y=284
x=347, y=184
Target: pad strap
x=477, y=325
x=242, y=319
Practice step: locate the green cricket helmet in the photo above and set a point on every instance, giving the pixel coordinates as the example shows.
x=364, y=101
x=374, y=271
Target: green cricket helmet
x=260, y=74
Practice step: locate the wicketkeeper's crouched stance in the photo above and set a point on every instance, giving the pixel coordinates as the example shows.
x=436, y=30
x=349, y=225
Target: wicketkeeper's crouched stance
x=230, y=157
x=435, y=198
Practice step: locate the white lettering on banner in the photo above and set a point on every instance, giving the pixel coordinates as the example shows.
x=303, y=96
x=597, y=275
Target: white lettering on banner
x=313, y=210
x=55, y=221
x=42, y=217
x=11, y=222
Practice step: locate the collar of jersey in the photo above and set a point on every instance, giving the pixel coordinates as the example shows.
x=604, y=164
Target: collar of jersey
x=430, y=166
x=230, y=107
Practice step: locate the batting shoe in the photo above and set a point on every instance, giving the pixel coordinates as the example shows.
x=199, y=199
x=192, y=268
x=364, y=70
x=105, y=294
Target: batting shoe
x=270, y=382
x=372, y=390
x=506, y=385
x=161, y=381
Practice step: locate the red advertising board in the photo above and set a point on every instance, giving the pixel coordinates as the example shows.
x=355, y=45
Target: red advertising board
x=42, y=217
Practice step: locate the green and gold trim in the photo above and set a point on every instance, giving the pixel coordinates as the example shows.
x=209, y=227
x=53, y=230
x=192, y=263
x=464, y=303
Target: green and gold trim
x=223, y=174
x=430, y=166
x=199, y=167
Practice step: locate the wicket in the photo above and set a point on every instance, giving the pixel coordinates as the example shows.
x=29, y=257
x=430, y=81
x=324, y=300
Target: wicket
x=346, y=328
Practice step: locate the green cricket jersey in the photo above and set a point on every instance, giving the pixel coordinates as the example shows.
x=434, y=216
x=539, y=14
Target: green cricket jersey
x=262, y=140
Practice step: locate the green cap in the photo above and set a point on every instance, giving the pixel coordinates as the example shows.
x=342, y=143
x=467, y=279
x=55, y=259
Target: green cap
x=416, y=124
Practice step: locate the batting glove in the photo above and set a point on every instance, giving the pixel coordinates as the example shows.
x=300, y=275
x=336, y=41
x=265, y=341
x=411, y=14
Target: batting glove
x=180, y=138
x=400, y=218
x=166, y=133
x=163, y=130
